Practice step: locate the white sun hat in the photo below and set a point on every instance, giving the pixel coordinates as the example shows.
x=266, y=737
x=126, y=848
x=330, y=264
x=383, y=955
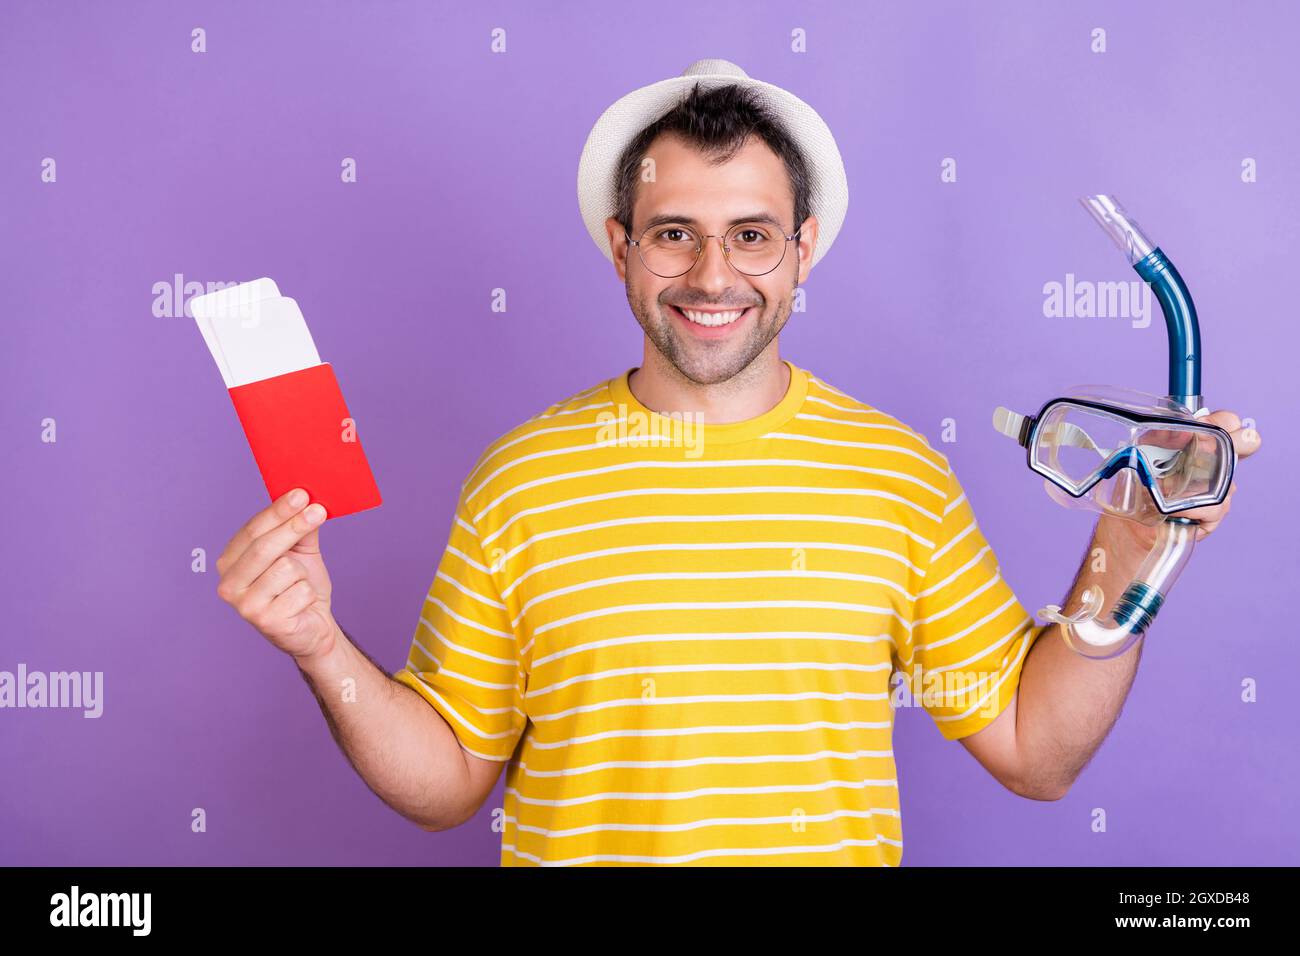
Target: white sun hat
x=619, y=124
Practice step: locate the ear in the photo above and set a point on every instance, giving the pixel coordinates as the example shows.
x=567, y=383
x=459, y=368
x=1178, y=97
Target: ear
x=618, y=245
x=807, y=242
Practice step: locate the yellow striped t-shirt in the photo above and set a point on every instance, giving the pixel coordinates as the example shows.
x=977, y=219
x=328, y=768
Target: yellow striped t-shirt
x=679, y=637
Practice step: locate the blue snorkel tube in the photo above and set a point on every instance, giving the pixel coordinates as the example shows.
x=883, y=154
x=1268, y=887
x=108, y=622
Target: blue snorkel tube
x=1087, y=631
x=1170, y=291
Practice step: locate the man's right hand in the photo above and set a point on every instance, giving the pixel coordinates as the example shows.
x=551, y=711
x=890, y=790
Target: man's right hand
x=273, y=574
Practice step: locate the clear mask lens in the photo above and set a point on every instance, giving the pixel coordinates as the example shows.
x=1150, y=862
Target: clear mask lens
x=1113, y=460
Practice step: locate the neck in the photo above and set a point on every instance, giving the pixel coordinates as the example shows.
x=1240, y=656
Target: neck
x=756, y=389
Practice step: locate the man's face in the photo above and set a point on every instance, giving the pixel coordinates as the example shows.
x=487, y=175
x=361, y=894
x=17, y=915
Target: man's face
x=711, y=199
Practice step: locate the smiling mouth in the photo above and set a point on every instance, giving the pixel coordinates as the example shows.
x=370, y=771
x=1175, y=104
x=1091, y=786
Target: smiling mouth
x=710, y=319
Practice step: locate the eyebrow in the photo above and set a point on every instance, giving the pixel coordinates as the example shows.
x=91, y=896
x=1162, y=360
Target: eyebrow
x=664, y=218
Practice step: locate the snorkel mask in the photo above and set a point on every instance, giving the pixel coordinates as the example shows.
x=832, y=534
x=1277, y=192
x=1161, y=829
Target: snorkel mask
x=1136, y=456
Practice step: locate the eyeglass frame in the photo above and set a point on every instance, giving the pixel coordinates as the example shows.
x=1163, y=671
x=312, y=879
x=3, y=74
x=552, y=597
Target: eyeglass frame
x=699, y=252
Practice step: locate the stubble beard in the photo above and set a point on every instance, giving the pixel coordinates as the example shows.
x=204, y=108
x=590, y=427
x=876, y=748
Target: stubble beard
x=708, y=363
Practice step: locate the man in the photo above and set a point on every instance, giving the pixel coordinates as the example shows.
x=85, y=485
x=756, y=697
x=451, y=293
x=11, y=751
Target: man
x=671, y=604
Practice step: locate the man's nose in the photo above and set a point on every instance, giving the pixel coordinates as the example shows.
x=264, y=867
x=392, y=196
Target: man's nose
x=711, y=269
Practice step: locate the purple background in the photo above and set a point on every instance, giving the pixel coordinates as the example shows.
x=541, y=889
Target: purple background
x=225, y=166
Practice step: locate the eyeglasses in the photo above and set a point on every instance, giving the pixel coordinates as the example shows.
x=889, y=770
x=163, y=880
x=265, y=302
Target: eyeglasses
x=671, y=249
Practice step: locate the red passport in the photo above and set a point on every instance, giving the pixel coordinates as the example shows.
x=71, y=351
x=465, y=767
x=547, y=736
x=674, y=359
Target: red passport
x=302, y=436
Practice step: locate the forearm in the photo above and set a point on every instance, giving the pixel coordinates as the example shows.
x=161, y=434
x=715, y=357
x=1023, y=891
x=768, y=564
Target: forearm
x=1068, y=703
x=399, y=745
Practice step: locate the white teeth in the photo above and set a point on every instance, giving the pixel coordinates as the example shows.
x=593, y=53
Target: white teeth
x=712, y=318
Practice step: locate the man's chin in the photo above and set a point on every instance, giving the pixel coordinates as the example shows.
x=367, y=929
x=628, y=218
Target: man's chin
x=705, y=366
x=700, y=361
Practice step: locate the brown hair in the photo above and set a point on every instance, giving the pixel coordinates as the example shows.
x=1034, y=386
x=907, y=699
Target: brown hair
x=717, y=122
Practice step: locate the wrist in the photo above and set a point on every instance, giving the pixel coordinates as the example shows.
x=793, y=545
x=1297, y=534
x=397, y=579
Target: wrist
x=1129, y=537
x=321, y=658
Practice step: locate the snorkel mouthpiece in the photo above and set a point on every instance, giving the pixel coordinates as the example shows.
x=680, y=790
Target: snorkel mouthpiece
x=1087, y=631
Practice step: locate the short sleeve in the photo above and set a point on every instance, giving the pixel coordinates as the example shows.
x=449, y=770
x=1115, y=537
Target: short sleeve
x=464, y=656
x=969, y=633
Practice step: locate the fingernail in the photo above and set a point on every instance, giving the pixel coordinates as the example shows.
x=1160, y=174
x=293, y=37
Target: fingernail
x=297, y=498
x=314, y=513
